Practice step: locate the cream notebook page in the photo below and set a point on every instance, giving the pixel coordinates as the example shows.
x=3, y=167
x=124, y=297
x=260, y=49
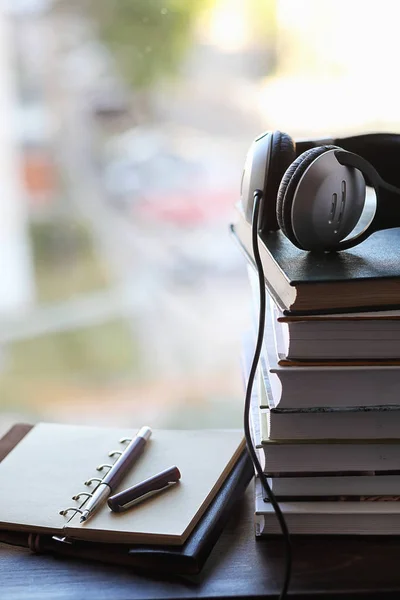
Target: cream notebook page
x=50, y=465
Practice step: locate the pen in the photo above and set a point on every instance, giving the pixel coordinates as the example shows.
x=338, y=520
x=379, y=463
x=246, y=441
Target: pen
x=117, y=472
x=143, y=490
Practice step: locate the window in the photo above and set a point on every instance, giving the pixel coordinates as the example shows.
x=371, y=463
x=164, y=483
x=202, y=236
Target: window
x=122, y=297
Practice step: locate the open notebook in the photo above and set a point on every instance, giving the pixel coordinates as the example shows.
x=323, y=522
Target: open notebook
x=50, y=465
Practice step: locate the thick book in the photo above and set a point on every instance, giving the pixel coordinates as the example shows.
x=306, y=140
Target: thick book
x=357, y=517
x=341, y=485
x=366, y=277
x=187, y=558
x=373, y=422
x=330, y=458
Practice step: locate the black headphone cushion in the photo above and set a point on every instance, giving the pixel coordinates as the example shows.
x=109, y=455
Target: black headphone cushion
x=282, y=155
x=288, y=187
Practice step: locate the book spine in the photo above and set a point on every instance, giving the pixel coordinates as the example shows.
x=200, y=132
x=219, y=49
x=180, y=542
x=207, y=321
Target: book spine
x=336, y=473
x=344, y=424
x=331, y=459
x=317, y=386
x=361, y=524
x=335, y=498
x=328, y=485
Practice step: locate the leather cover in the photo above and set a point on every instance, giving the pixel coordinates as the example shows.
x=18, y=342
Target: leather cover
x=375, y=259
x=186, y=559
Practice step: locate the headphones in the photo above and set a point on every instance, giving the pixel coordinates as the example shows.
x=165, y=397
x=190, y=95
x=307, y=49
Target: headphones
x=314, y=190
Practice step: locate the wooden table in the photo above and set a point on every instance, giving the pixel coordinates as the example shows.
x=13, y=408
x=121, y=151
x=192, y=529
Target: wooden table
x=239, y=567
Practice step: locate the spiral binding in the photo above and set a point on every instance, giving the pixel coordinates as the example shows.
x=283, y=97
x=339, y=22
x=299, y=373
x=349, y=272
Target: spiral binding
x=103, y=467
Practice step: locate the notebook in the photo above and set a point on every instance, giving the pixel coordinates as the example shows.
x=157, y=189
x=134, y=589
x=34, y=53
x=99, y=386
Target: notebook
x=364, y=278
x=188, y=558
x=53, y=461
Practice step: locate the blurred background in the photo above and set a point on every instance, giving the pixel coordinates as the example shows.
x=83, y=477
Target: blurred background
x=124, y=128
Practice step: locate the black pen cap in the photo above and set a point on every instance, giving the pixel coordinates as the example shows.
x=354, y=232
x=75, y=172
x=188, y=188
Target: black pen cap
x=122, y=500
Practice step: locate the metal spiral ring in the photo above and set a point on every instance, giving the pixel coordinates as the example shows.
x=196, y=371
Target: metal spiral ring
x=114, y=453
x=66, y=510
x=103, y=466
x=89, y=481
x=77, y=496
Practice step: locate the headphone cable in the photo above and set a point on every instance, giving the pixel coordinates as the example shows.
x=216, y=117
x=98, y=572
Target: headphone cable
x=253, y=370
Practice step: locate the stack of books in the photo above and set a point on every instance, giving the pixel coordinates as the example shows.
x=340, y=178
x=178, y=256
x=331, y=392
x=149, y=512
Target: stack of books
x=325, y=412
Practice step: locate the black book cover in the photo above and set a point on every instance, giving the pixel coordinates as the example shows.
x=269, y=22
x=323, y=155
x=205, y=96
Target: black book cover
x=375, y=259
x=370, y=272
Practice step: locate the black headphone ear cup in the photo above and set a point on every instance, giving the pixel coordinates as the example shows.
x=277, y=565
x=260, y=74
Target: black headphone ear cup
x=288, y=187
x=282, y=155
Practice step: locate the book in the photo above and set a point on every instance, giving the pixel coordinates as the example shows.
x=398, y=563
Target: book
x=340, y=338
x=53, y=461
x=361, y=422
x=370, y=517
x=188, y=558
x=366, y=277
x=319, y=487
x=323, y=458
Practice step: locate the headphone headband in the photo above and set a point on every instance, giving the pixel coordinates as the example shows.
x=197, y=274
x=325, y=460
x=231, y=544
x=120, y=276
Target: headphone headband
x=382, y=150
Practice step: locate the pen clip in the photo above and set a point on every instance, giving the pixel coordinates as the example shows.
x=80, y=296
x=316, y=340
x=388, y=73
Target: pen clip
x=148, y=495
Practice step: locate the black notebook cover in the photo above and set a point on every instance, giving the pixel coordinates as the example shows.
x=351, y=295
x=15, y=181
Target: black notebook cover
x=186, y=559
